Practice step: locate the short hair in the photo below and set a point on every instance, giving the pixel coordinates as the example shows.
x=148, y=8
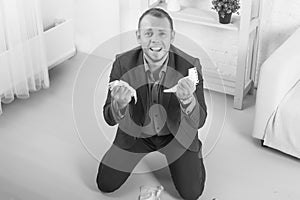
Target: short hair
x=156, y=12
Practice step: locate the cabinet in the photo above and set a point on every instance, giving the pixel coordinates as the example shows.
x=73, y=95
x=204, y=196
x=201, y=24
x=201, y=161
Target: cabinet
x=231, y=48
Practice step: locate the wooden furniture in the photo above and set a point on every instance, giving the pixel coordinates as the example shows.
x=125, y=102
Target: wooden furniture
x=232, y=48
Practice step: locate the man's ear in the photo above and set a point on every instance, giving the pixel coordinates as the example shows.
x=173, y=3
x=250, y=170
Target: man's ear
x=172, y=36
x=138, y=36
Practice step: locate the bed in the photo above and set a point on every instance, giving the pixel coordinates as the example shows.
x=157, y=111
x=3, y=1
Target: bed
x=277, y=112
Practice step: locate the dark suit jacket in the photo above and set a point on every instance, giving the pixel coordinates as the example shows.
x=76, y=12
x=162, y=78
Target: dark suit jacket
x=129, y=67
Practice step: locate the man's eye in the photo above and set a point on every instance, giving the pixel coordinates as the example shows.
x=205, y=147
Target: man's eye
x=162, y=34
x=148, y=34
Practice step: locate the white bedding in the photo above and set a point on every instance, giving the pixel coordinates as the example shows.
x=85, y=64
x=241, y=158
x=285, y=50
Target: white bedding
x=283, y=128
x=277, y=111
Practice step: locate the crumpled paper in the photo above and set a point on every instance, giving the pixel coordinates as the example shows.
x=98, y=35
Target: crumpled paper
x=192, y=75
x=115, y=83
x=150, y=193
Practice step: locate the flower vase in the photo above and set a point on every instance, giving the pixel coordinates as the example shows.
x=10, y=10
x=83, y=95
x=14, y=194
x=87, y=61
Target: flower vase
x=226, y=19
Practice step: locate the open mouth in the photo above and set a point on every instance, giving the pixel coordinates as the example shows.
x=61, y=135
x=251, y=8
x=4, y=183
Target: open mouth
x=155, y=49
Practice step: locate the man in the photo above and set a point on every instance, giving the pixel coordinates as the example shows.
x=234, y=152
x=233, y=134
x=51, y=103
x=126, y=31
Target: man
x=157, y=121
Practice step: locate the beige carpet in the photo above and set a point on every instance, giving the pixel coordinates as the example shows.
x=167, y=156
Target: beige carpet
x=44, y=157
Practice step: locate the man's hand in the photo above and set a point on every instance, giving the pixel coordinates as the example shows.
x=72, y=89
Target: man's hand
x=185, y=89
x=122, y=95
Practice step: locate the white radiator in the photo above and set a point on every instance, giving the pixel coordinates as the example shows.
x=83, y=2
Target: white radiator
x=59, y=43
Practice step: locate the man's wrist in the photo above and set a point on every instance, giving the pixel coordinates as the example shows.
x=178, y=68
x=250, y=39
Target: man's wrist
x=120, y=110
x=187, y=100
x=189, y=107
x=119, y=105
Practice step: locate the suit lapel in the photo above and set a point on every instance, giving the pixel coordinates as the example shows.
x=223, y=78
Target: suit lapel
x=171, y=78
x=136, y=77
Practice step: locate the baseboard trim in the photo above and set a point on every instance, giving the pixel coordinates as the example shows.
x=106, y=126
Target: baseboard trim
x=57, y=61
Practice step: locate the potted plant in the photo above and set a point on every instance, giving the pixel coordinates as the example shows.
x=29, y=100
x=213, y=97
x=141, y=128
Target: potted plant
x=225, y=8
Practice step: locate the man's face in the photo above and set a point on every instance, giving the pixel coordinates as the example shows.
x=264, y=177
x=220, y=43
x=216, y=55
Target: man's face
x=155, y=36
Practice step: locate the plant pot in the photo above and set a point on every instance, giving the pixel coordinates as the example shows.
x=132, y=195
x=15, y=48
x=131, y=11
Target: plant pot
x=226, y=19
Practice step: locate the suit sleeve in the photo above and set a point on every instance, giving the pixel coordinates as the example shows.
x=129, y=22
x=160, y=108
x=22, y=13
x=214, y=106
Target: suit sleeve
x=108, y=114
x=200, y=96
x=197, y=115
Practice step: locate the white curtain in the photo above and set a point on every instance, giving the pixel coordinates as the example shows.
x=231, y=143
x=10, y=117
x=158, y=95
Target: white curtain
x=23, y=66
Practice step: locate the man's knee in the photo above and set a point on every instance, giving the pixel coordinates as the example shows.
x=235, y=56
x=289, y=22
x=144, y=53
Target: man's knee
x=109, y=180
x=107, y=186
x=191, y=193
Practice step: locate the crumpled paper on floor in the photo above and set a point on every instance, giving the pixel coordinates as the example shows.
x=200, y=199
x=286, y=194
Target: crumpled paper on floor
x=150, y=193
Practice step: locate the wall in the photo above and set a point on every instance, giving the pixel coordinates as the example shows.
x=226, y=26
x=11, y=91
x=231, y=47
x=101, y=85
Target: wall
x=56, y=9
x=95, y=21
x=280, y=19
x=92, y=27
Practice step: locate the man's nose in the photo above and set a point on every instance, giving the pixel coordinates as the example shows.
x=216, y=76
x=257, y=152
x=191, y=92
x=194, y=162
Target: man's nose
x=155, y=38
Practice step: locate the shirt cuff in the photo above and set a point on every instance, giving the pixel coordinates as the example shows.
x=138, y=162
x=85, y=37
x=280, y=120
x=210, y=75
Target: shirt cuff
x=118, y=113
x=191, y=113
x=188, y=107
